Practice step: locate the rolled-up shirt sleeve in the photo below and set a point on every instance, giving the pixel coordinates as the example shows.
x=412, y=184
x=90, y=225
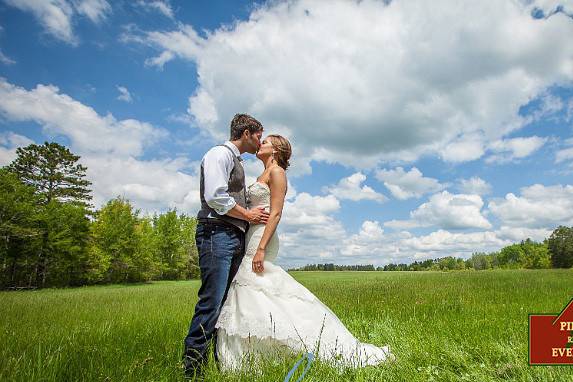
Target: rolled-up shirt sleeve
x=217, y=167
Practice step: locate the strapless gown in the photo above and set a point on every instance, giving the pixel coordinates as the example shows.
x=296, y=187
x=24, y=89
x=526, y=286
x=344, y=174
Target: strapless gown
x=272, y=311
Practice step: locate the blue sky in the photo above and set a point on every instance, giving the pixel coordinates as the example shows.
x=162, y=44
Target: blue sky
x=419, y=131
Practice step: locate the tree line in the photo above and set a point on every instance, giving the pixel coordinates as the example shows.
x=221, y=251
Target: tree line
x=554, y=252
x=50, y=235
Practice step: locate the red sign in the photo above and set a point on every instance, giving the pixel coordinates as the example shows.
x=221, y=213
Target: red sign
x=551, y=338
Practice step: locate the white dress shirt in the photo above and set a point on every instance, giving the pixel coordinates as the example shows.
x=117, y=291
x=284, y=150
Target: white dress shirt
x=217, y=166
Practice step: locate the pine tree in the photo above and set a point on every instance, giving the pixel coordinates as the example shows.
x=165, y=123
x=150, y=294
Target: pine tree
x=54, y=172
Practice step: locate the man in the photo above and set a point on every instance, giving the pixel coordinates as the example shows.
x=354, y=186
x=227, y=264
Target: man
x=220, y=236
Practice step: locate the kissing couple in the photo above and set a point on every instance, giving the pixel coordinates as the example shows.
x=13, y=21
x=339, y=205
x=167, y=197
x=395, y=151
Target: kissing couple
x=248, y=305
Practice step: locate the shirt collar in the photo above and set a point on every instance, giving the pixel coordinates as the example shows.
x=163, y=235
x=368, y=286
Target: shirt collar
x=235, y=150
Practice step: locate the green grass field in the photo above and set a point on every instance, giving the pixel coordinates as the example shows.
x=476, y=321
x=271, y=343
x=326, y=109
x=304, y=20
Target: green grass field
x=458, y=326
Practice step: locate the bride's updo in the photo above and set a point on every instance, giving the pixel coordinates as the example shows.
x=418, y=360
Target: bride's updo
x=282, y=148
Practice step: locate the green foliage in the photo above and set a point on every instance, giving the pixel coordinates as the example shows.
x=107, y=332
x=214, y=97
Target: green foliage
x=20, y=231
x=43, y=244
x=127, y=248
x=53, y=194
x=145, y=257
x=169, y=244
x=54, y=173
x=66, y=232
x=115, y=234
x=479, y=261
x=512, y=257
x=560, y=245
x=46, y=238
x=536, y=255
x=189, y=248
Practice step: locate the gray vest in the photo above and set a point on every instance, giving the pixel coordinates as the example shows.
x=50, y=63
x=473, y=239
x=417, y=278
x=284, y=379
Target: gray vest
x=236, y=189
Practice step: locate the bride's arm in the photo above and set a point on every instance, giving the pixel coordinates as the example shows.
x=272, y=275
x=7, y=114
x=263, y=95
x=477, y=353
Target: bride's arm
x=278, y=186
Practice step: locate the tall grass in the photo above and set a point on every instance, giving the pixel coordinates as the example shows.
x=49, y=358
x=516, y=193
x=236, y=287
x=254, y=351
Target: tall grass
x=441, y=326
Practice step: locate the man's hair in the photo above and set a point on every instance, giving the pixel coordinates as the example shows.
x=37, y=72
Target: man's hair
x=242, y=122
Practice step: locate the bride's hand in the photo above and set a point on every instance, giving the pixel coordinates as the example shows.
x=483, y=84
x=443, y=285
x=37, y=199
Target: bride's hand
x=258, y=261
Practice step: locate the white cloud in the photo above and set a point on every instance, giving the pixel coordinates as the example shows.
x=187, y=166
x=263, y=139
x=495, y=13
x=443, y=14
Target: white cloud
x=88, y=131
x=408, y=184
x=124, y=94
x=464, y=149
x=444, y=243
x=308, y=232
x=351, y=188
x=323, y=239
x=307, y=210
x=373, y=246
x=370, y=245
x=163, y=7
x=107, y=146
x=5, y=59
x=509, y=149
x=355, y=82
x=447, y=211
x=9, y=142
x=183, y=43
x=516, y=234
x=95, y=10
x=538, y=206
x=569, y=114
x=549, y=106
x=566, y=153
x=474, y=185
x=153, y=185
x=56, y=16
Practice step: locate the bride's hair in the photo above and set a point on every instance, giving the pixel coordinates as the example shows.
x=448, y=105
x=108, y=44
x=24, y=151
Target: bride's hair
x=282, y=148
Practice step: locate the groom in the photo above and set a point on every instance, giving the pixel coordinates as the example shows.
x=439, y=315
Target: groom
x=220, y=236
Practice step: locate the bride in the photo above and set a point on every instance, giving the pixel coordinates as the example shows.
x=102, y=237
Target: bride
x=266, y=309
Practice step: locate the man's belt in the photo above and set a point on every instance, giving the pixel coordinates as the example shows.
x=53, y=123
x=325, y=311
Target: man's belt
x=219, y=222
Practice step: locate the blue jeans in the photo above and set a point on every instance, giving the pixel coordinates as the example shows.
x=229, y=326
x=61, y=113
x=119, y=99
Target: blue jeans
x=221, y=249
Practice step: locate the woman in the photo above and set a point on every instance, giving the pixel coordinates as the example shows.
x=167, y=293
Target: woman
x=266, y=310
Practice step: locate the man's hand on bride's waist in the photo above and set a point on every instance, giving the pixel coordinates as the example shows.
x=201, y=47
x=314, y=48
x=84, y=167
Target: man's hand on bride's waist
x=258, y=215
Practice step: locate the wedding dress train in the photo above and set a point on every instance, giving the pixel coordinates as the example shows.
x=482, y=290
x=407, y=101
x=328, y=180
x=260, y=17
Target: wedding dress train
x=269, y=311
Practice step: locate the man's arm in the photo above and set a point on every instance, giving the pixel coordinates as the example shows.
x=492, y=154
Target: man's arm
x=218, y=164
x=255, y=216
x=217, y=167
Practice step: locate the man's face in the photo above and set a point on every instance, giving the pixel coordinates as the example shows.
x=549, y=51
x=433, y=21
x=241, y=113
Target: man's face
x=253, y=141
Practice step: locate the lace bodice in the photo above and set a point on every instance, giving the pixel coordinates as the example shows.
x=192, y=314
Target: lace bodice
x=259, y=195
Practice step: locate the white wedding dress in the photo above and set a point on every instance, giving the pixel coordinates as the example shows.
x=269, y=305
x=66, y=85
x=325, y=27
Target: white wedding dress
x=272, y=311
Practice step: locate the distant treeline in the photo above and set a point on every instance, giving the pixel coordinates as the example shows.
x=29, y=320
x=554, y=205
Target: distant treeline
x=554, y=252
x=334, y=267
x=51, y=236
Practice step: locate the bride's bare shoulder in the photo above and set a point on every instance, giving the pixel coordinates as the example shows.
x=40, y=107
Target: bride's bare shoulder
x=277, y=171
